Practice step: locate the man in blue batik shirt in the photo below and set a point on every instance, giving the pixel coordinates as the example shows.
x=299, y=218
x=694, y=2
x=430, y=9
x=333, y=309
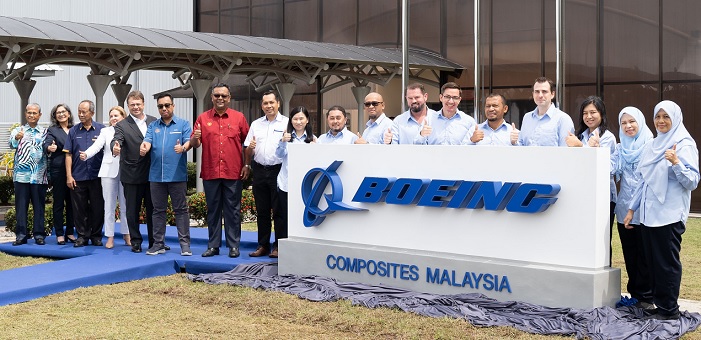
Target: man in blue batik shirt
x=546, y=125
x=168, y=139
x=29, y=174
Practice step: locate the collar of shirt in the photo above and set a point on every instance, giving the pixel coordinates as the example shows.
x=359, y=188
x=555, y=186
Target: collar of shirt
x=549, y=112
x=37, y=128
x=172, y=121
x=299, y=138
x=377, y=121
x=458, y=115
x=485, y=125
x=92, y=126
x=214, y=113
x=338, y=135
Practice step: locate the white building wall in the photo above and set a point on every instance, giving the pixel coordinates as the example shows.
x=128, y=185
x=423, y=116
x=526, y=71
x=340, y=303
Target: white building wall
x=70, y=86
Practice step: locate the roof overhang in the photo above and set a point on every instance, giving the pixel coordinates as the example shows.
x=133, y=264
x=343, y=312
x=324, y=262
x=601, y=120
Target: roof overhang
x=119, y=50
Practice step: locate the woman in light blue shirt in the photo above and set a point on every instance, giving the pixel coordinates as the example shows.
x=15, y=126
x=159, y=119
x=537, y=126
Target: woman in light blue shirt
x=593, y=132
x=669, y=171
x=634, y=134
x=298, y=131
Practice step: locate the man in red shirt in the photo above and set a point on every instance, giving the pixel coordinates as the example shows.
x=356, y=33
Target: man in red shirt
x=221, y=132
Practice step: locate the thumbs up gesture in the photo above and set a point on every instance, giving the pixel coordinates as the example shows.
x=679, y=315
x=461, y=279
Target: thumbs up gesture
x=572, y=140
x=478, y=135
x=143, y=149
x=116, y=149
x=83, y=155
x=514, y=134
x=594, y=139
x=671, y=155
x=198, y=132
x=20, y=134
x=387, y=136
x=252, y=144
x=360, y=139
x=286, y=137
x=178, y=147
x=52, y=147
x=425, y=129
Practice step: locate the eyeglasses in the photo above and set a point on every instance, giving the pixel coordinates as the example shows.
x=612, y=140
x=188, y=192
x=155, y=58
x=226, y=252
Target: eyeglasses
x=32, y=113
x=220, y=95
x=454, y=98
x=61, y=112
x=166, y=105
x=368, y=104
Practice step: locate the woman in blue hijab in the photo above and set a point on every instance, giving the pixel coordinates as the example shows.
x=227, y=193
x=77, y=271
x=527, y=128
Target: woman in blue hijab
x=669, y=171
x=633, y=134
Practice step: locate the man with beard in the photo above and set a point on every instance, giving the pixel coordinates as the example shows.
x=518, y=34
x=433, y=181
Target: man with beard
x=546, y=125
x=378, y=123
x=261, y=142
x=449, y=125
x=413, y=126
x=495, y=130
x=336, y=118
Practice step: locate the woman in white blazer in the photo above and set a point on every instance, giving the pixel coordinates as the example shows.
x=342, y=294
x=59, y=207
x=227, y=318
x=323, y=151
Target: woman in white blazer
x=109, y=172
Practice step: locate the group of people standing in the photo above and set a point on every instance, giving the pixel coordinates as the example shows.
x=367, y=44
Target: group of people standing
x=141, y=159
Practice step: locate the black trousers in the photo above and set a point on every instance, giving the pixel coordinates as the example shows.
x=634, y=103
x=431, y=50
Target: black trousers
x=88, y=209
x=62, y=199
x=223, y=196
x=135, y=194
x=639, y=285
x=265, y=194
x=281, y=230
x=612, y=215
x=26, y=193
x=662, y=246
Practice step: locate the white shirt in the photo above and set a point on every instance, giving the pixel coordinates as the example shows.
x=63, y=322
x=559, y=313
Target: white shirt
x=268, y=134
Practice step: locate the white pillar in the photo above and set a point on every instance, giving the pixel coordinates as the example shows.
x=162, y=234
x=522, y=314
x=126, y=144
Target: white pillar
x=200, y=87
x=120, y=92
x=24, y=89
x=286, y=91
x=359, y=92
x=99, y=83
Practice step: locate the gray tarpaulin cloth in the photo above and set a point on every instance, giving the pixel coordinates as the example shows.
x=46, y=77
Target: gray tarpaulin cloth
x=479, y=310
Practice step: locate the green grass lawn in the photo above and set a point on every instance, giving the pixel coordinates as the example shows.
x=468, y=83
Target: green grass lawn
x=173, y=307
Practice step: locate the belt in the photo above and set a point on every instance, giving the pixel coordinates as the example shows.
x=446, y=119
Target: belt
x=266, y=167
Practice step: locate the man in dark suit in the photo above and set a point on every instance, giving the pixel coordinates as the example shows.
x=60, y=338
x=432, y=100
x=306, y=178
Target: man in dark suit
x=134, y=168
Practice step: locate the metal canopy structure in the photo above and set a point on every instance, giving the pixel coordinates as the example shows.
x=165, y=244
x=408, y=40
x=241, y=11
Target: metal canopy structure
x=117, y=51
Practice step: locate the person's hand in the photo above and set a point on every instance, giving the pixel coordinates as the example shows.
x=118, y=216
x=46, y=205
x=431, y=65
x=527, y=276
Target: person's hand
x=198, y=132
x=572, y=140
x=20, y=134
x=70, y=182
x=142, y=149
x=594, y=139
x=286, y=137
x=478, y=135
x=83, y=156
x=252, y=144
x=514, y=134
x=425, y=129
x=671, y=155
x=360, y=139
x=178, y=148
x=52, y=147
x=245, y=172
x=116, y=149
x=627, y=219
x=387, y=136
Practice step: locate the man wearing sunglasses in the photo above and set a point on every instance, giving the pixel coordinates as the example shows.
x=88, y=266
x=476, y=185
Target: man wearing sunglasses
x=377, y=124
x=168, y=140
x=134, y=168
x=221, y=132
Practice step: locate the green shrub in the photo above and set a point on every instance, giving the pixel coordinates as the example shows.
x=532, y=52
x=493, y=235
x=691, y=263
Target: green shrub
x=198, y=207
x=11, y=220
x=191, y=176
x=7, y=189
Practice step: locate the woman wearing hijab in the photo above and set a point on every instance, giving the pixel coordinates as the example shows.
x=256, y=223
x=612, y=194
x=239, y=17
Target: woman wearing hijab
x=668, y=171
x=634, y=134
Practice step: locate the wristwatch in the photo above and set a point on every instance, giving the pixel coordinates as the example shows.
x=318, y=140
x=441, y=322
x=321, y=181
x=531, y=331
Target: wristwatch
x=248, y=166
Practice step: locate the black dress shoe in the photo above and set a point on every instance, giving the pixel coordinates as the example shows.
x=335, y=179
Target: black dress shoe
x=79, y=242
x=234, y=252
x=97, y=242
x=71, y=240
x=19, y=242
x=61, y=243
x=40, y=241
x=210, y=252
x=136, y=248
x=660, y=316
